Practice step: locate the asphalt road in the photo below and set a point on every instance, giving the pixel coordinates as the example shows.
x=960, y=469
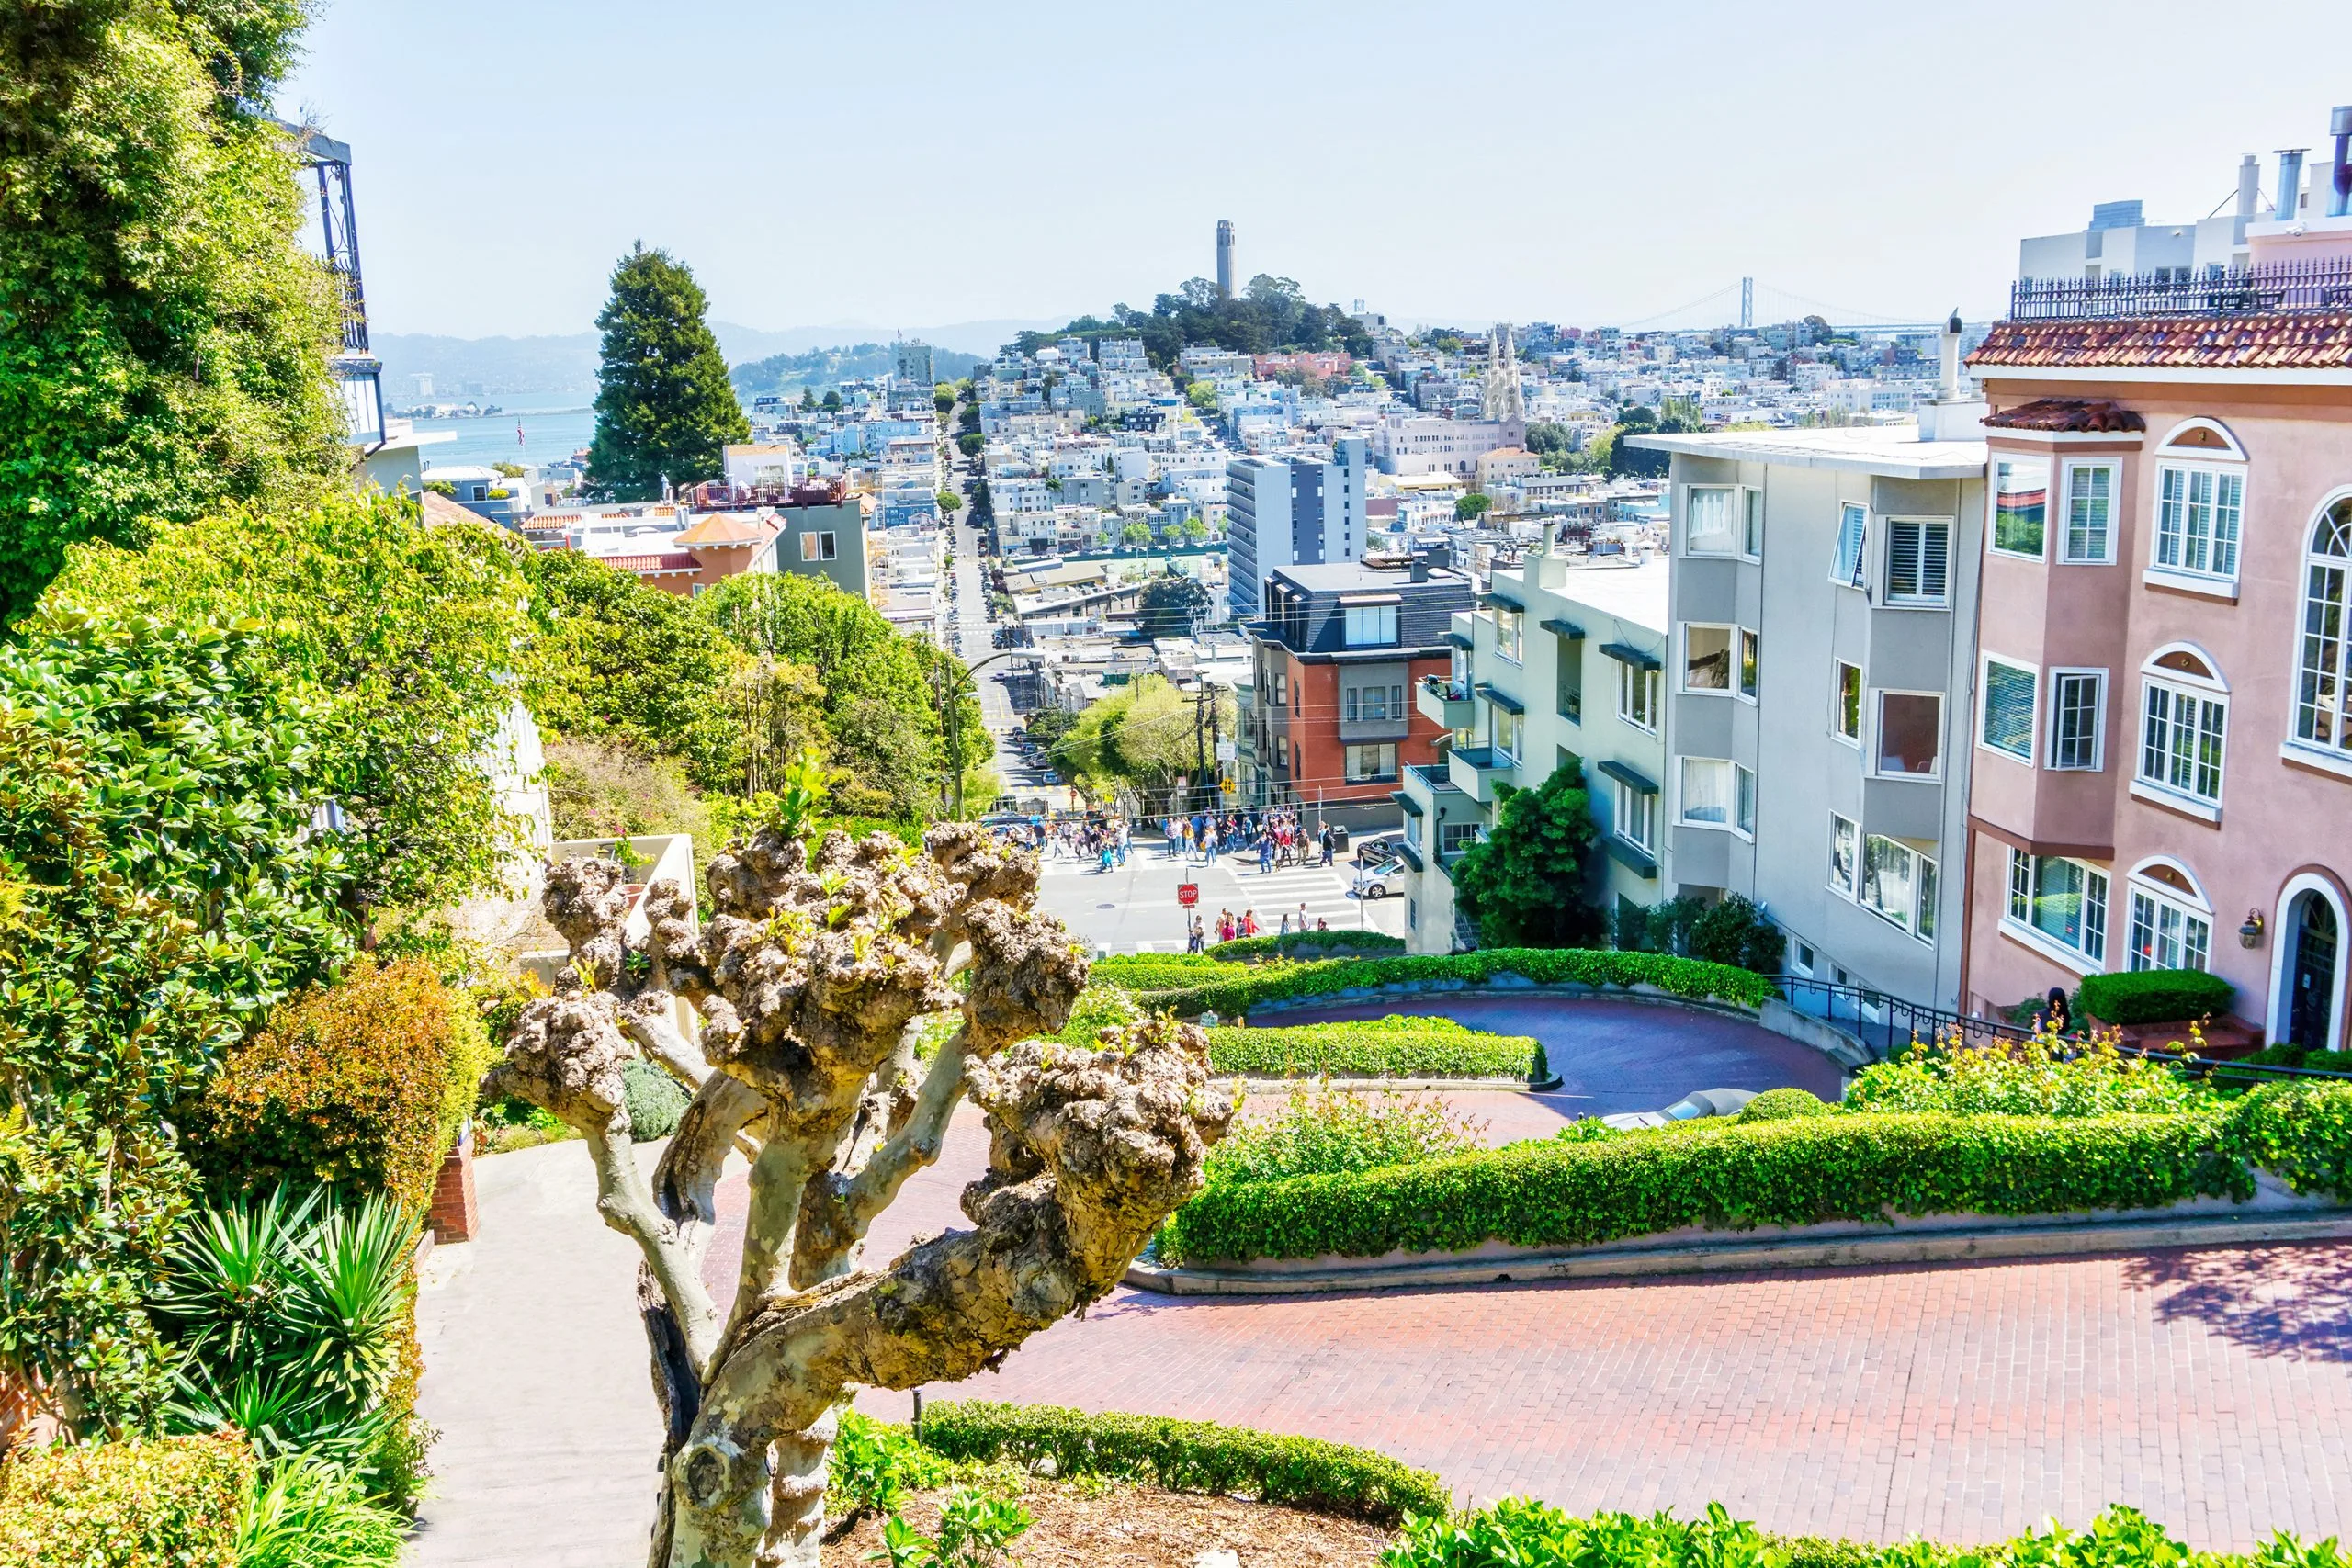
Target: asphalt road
x=1133, y=908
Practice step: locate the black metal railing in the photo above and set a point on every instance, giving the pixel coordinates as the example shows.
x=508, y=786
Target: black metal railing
x=1886, y=1026
x=2324, y=284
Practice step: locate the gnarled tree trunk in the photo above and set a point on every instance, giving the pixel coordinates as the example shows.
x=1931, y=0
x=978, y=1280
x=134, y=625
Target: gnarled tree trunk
x=813, y=981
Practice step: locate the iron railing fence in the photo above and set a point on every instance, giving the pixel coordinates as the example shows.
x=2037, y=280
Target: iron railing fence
x=2324, y=284
x=1886, y=1026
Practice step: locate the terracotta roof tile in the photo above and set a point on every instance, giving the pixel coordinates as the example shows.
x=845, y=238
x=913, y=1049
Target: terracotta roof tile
x=2068, y=416
x=672, y=561
x=2297, y=341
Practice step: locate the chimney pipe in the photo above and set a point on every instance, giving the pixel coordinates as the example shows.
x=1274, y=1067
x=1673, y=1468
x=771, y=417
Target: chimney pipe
x=2249, y=186
x=2290, y=185
x=2339, y=125
x=1949, y=390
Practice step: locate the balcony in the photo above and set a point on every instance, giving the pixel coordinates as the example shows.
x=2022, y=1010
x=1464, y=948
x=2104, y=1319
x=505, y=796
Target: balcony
x=1476, y=770
x=1444, y=703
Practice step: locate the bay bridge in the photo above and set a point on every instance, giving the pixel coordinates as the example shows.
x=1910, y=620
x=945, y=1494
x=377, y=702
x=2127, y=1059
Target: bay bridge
x=1745, y=304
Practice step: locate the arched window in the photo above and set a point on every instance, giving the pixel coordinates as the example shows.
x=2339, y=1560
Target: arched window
x=2183, y=714
x=2201, y=504
x=2324, y=684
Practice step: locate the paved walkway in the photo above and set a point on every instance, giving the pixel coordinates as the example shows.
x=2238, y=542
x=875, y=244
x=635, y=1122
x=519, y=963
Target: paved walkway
x=2213, y=1389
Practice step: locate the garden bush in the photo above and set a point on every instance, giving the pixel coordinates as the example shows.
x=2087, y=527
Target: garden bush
x=1537, y=1535
x=1723, y=1174
x=1320, y=1132
x=1235, y=994
x=2155, y=995
x=1188, y=1455
x=2031, y=1078
x=655, y=1099
x=306, y=1513
x=145, y=1503
x=364, y=1083
x=1320, y=944
x=1734, y=930
x=1780, y=1104
x=2300, y=1133
x=1395, y=1047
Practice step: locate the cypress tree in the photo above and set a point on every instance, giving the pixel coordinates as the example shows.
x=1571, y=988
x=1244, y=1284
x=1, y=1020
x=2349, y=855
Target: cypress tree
x=664, y=408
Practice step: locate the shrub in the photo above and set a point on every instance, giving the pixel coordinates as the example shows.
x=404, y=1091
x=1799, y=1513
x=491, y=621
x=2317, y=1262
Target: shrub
x=1234, y=995
x=2156, y=996
x=2301, y=1132
x=1188, y=1455
x=142, y=1503
x=2027, y=1079
x=1780, y=1104
x=363, y=1083
x=1317, y=945
x=308, y=1514
x=1393, y=1047
x=655, y=1099
x=1098, y=1008
x=605, y=789
x=1735, y=931
x=1720, y=1176
x=875, y=1464
x=1321, y=1132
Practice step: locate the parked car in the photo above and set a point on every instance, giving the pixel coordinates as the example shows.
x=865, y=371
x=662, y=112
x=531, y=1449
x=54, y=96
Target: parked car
x=1380, y=881
x=1698, y=1103
x=1376, y=849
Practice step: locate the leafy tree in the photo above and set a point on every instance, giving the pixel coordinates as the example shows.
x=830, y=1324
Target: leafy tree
x=1467, y=507
x=943, y=397
x=1735, y=931
x=950, y=503
x=1202, y=395
x=163, y=335
x=1171, y=605
x=833, y=400
x=664, y=408
x=1524, y=885
x=1135, y=534
x=807, y=400
x=1137, y=741
x=971, y=443
x=1195, y=530
x=624, y=660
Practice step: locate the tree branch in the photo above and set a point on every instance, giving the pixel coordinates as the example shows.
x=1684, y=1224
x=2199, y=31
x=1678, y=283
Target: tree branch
x=625, y=1200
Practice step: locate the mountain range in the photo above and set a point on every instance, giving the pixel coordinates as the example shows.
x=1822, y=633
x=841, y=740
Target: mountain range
x=491, y=365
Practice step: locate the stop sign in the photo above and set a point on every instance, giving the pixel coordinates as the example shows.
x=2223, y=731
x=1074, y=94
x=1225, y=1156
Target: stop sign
x=1188, y=894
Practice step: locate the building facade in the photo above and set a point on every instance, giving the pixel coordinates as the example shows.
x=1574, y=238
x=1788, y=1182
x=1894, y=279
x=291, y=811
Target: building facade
x=1333, y=664
x=2161, y=744
x=1284, y=511
x=1557, y=667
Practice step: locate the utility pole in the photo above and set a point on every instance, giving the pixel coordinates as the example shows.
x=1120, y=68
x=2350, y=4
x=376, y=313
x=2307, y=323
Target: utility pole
x=1200, y=756
x=1216, y=790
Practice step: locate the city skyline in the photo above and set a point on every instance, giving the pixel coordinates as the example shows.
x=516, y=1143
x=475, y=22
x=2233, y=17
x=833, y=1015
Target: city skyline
x=1598, y=168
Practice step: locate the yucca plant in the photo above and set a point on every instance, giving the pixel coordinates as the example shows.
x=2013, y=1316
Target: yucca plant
x=307, y=1513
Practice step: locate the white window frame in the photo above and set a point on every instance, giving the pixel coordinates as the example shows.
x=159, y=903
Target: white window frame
x=1941, y=598
x=1746, y=656
x=1632, y=678
x=2179, y=686
x=1837, y=704
x=2227, y=462
x=1922, y=883
x=1510, y=633
x=1854, y=518
x=1682, y=793
x=2066, y=472
x=1733, y=512
x=2061, y=673
x=2150, y=902
x=1356, y=620
x=1751, y=523
x=1985, y=708
x=1451, y=843
x=1993, y=506
x=1636, y=809
x=1876, y=719
x=819, y=546
x=1845, y=832
x=2020, y=928
x=1731, y=657
x=1499, y=718
x=2322, y=680
x=1742, y=802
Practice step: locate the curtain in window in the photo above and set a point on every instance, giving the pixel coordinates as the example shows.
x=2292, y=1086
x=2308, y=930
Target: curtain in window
x=1706, y=791
x=1712, y=521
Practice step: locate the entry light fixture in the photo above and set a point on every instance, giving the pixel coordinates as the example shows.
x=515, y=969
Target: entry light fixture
x=2250, y=933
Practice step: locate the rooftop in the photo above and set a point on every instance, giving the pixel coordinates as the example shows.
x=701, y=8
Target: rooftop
x=1895, y=450
x=1351, y=577
x=2310, y=342
x=1631, y=592
x=2072, y=416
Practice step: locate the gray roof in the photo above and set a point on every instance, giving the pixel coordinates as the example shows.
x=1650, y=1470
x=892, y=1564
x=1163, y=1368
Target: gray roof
x=1895, y=450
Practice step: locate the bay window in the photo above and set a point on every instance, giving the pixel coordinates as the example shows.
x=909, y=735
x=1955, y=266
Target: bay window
x=2059, y=900
x=1845, y=846
x=2008, y=707
x=1918, y=562
x=1910, y=734
x=2020, y=506
x=1899, y=886
x=1706, y=793
x=2077, y=719
x=1711, y=520
x=1751, y=664
x=1706, y=658
x=2090, y=500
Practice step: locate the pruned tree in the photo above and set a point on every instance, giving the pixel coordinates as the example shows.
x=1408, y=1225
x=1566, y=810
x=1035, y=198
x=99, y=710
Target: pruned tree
x=813, y=981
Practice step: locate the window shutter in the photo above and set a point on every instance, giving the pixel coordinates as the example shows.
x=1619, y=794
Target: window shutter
x=1902, y=559
x=1935, y=559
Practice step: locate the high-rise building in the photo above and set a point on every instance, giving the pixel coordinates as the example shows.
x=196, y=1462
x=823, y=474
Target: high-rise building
x=1224, y=258
x=1283, y=511
x=914, y=362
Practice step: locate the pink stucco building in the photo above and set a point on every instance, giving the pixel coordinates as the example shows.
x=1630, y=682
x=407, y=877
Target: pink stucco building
x=2161, y=774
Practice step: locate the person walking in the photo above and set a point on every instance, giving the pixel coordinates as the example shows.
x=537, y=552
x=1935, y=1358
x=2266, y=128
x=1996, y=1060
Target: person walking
x=1266, y=855
x=1326, y=846
x=1249, y=923
x=1284, y=929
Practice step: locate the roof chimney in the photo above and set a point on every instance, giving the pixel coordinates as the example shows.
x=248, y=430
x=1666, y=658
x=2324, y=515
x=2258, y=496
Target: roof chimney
x=1421, y=567
x=1950, y=388
x=2339, y=197
x=2249, y=186
x=2290, y=185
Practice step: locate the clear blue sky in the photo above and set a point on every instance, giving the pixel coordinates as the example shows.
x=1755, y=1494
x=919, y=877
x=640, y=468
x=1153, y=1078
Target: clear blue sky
x=905, y=164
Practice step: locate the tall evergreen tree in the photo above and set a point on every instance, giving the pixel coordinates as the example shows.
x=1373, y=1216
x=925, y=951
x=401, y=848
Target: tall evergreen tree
x=164, y=338
x=664, y=409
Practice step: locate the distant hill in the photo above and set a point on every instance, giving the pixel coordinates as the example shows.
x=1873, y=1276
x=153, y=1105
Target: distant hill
x=822, y=368
x=489, y=367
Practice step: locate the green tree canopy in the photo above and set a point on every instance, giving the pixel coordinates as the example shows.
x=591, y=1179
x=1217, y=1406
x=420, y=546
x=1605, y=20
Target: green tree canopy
x=1169, y=606
x=1139, y=739
x=1474, y=504
x=164, y=337
x=950, y=503
x=1524, y=885
x=664, y=408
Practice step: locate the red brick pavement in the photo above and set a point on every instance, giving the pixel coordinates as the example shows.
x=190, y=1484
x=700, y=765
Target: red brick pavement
x=2212, y=1388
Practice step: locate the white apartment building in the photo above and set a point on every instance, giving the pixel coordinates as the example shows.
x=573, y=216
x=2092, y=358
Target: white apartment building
x=1422, y=445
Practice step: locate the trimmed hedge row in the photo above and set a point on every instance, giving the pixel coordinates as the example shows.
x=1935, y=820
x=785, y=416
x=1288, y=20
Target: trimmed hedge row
x=1689, y=977
x=141, y=1504
x=1798, y=1171
x=2156, y=996
x=1390, y=1048
x=1313, y=944
x=1187, y=1456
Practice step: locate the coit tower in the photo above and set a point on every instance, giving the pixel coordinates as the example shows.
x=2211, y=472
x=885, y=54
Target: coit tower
x=1224, y=258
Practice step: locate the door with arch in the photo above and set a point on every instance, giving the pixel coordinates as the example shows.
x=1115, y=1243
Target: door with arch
x=2310, y=971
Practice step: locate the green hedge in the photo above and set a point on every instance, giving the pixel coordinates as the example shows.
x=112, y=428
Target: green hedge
x=1174, y=989
x=1311, y=945
x=147, y=1503
x=1393, y=1047
x=2156, y=996
x=1734, y=1176
x=1188, y=1455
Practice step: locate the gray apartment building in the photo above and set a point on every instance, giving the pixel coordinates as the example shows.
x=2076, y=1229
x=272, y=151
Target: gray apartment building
x=1819, y=688
x=1285, y=511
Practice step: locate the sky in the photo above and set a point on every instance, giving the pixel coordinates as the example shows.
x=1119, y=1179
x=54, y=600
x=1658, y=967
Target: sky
x=883, y=164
